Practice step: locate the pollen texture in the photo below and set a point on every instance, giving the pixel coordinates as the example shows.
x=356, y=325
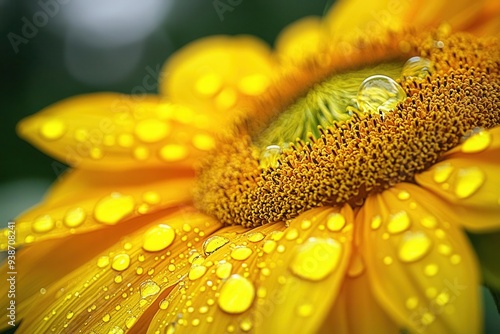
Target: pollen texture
x=352, y=157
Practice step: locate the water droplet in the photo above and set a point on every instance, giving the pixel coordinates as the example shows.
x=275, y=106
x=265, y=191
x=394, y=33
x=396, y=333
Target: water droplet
x=431, y=270
x=139, y=270
x=43, y=224
x=149, y=288
x=305, y=224
x=158, y=238
x=356, y=266
x=120, y=262
x=223, y=271
x=129, y=322
x=236, y=295
x=69, y=315
x=429, y=222
x=141, y=153
x=151, y=197
x=269, y=157
x=379, y=93
x=196, y=272
x=468, y=181
x=125, y=140
x=106, y=317
x=335, y=222
x=269, y=246
x=254, y=84
x=292, y=233
x=116, y=330
x=316, y=259
x=442, y=172
x=414, y=246
x=151, y=130
x=53, y=129
x=74, y=217
x=398, y=222
x=173, y=152
x=241, y=253
x=255, y=237
x=387, y=260
x=427, y=318
x=305, y=310
x=203, y=142
x=214, y=243
x=103, y=262
x=246, y=325
x=443, y=298
x=164, y=304
x=411, y=303
x=113, y=208
x=417, y=67
x=376, y=222
x=208, y=84
x=403, y=195
x=455, y=259
x=478, y=142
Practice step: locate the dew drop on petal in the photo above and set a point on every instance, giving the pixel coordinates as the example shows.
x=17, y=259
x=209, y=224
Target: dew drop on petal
x=379, y=93
x=417, y=67
x=69, y=315
x=214, y=243
x=431, y=270
x=411, y=303
x=158, y=238
x=151, y=130
x=120, y=262
x=398, y=222
x=52, y=129
x=151, y=197
x=106, y=317
x=103, y=261
x=414, y=246
x=74, y=217
x=376, y=222
x=269, y=157
x=429, y=222
x=255, y=237
x=291, y=234
x=43, y=224
x=316, y=259
x=236, y=295
x=173, y=152
x=246, y=325
x=149, y=288
x=443, y=298
x=113, y=208
x=164, y=304
x=403, y=195
x=207, y=85
x=304, y=310
x=203, y=142
x=129, y=322
x=269, y=246
x=223, y=270
x=442, y=172
x=196, y=272
x=468, y=181
x=335, y=222
x=241, y=253
x=477, y=142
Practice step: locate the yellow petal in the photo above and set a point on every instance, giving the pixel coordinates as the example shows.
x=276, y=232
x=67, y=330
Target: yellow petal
x=216, y=75
x=301, y=39
x=421, y=267
x=357, y=312
x=115, y=132
x=115, y=288
x=468, y=180
x=256, y=279
x=84, y=201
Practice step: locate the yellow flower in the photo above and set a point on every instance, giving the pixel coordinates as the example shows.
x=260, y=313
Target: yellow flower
x=353, y=226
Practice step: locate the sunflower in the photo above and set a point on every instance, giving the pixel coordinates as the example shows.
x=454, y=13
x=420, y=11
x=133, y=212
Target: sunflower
x=324, y=186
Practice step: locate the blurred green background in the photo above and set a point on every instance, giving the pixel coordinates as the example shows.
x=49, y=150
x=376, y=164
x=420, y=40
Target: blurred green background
x=54, y=49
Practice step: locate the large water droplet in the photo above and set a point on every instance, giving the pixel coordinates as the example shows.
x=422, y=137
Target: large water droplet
x=398, y=222
x=335, y=222
x=442, y=172
x=478, y=142
x=316, y=259
x=417, y=67
x=241, y=253
x=196, y=272
x=149, y=288
x=468, y=181
x=43, y=224
x=414, y=246
x=214, y=243
x=269, y=157
x=223, y=270
x=74, y=217
x=151, y=130
x=236, y=295
x=120, y=262
x=113, y=208
x=379, y=93
x=53, y=129
x=158, y=238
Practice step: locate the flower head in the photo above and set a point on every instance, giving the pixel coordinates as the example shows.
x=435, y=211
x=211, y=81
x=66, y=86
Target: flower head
x=327, y=184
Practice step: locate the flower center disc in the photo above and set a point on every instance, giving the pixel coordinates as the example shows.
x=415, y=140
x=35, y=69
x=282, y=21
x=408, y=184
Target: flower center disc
x=263, y=173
